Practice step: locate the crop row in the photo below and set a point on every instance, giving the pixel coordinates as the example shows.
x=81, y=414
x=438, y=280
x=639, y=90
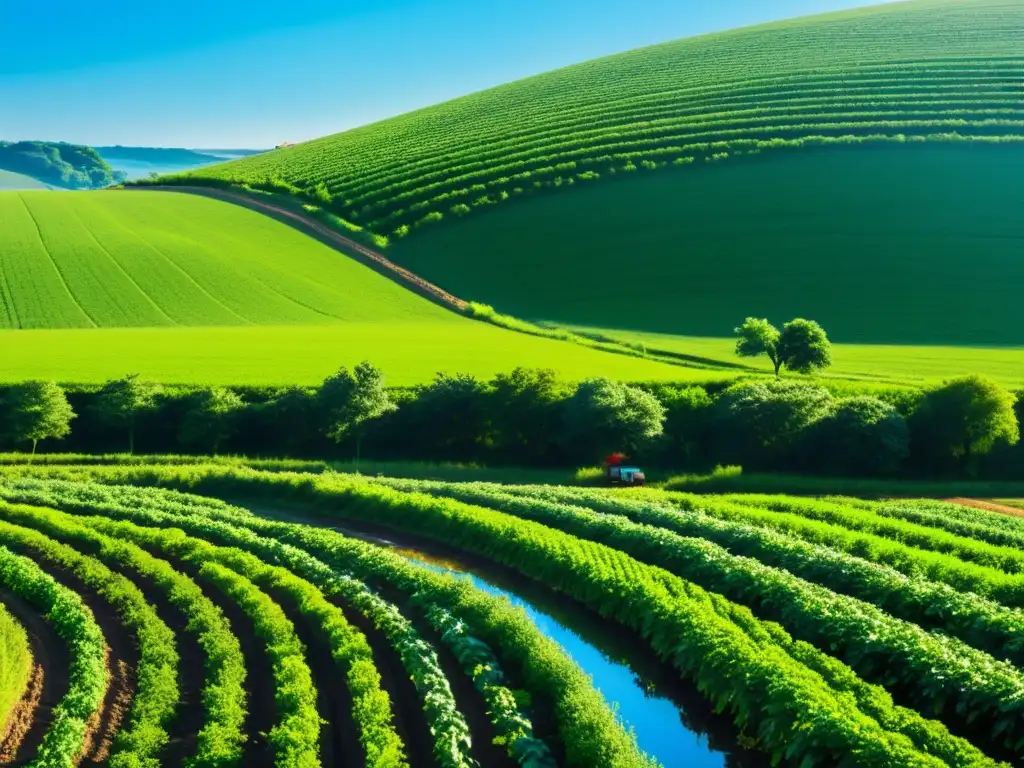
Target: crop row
x=737, y=662
x=589, y=732
x=16, y=666
x=922, y=667
x=421, y=663
x=145, y=734
x=87, y=673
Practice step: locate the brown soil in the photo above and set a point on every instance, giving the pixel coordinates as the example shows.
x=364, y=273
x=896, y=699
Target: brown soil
x=51, y=656
x=339, y=738
x=410, y=722
x=989, y=506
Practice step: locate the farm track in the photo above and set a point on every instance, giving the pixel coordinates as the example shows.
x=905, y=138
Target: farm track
x=50, y=654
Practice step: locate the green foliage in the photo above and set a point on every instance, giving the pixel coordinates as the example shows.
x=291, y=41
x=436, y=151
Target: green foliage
x=759, y=422
x=604, y=416
x=37, y=410
x=63, y=165
x=122, y=401
x=966, y=417
x=802, y=346
x=210, y=418
x=348, y=400
x=859, y=436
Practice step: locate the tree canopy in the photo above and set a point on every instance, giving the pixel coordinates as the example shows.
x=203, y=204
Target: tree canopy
x=121, y=401
x=802, y=346
x=605, y=416
x=63, y=165
x=37, y=410
x=349, y=399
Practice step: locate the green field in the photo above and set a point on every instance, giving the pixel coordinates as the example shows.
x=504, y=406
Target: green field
x=890, y=246
x=409, y=353
x=885, y=630
x=89, y=279
x=16, y=181
x=867, y=362
x=117, y=259
x=883, y=199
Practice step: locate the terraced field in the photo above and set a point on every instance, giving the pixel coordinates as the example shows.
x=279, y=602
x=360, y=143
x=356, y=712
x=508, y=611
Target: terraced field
x=186, y=289
x=826, y=632
x=806, y=153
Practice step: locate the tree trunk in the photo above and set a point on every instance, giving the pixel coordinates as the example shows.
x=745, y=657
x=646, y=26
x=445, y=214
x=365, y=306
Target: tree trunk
x=778, y=365
x=33, y=454
x=131, y=440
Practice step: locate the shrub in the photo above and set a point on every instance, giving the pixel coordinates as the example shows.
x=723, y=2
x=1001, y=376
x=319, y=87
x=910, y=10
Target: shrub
x=861, y=436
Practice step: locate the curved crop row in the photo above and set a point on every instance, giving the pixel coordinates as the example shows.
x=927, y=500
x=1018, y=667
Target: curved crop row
x=87, y=676
x=219, y=742
x=976, y=620
x=589, y=732
x=144, y=736
x=735, y=665
x=923, y=667
x=15, y=667
x=839, y=65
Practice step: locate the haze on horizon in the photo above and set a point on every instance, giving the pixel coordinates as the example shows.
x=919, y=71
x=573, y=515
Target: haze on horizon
x=252, y=73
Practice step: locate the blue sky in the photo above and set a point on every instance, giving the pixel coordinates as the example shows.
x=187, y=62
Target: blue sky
x=254, y=73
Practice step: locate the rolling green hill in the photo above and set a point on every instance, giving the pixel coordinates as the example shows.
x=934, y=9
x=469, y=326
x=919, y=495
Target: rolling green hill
x=861, y=167
x=103, y=284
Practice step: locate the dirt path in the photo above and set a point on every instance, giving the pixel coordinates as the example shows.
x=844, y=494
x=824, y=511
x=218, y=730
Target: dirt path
x=371, y=258
x=50, y=654
x=988, y=506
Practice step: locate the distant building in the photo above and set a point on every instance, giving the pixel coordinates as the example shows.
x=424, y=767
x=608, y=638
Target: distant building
x=284, y=145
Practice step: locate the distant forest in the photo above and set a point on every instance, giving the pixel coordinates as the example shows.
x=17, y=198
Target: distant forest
x=62, y=165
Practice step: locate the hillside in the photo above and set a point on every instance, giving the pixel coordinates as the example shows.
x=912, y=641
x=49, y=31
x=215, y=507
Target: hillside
x=734, y=146
x=153, y=280
x=70, y=166
x=10, y=181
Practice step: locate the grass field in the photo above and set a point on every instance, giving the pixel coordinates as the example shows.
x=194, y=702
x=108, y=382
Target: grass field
x=16, y=181
x=889, y=630
x=409, y=353
x=882, y=363
x=879, y=245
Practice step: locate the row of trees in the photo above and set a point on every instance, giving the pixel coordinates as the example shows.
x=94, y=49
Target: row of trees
x=529, y=417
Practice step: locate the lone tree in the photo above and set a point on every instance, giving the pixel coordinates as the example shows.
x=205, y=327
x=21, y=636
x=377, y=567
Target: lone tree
x=965, y=418
x=802, y=346
x=38, y=410
x=122, y=401
x=349, y=399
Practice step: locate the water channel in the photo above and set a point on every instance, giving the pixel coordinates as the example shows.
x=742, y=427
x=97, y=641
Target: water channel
x=671, y=721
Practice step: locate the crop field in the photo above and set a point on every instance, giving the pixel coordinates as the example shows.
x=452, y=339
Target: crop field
x=866, y=362
x=869, y=127
x=408, y=353
x=332, y=623
x=184, y=289
x=910, y=247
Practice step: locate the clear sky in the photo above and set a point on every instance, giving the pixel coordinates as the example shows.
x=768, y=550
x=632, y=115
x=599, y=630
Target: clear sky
x=254, y=73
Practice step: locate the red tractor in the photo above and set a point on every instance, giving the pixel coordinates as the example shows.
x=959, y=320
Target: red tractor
x=617, y=473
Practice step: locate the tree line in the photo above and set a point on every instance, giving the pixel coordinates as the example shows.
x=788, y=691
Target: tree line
x=60, y=164
x=967, y=426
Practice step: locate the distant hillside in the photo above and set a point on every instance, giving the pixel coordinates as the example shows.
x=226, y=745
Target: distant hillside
x=618, y=189
x=141, y=162
x=69, y=166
